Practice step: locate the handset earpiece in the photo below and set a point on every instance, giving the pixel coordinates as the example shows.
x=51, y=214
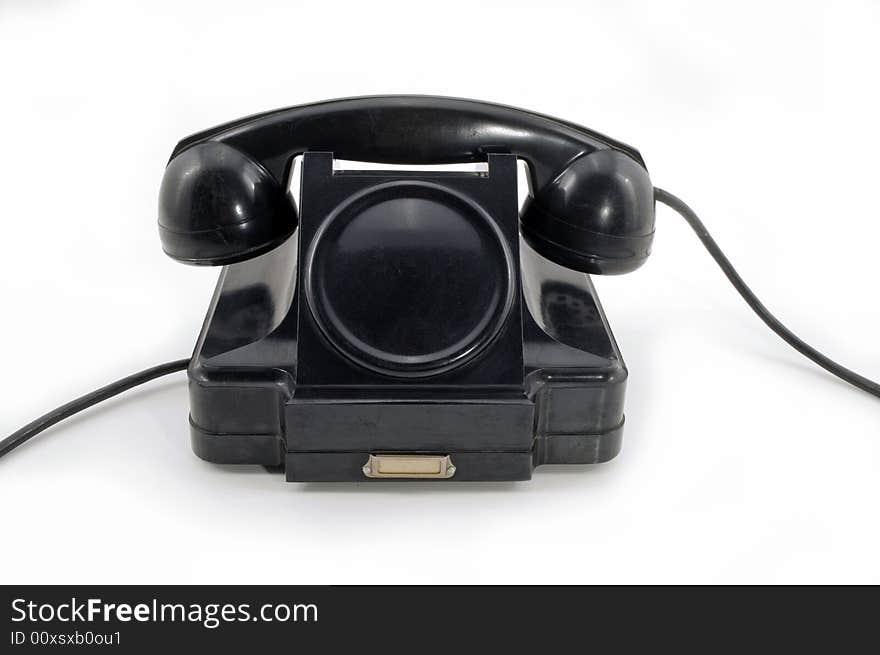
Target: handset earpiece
x=595, y=216
x=218, y=206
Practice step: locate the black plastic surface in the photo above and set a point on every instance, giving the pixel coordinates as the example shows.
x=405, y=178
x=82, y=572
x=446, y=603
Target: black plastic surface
x=216, y=205
x=409, y=278
x=515, y=365
x=223, y=193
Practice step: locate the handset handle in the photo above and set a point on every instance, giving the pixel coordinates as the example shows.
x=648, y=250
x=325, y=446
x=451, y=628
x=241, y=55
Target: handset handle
x=408, y=130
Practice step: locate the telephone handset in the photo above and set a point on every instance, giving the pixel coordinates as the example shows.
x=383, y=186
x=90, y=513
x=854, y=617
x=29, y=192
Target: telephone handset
x=409, y=324
x=223, y=198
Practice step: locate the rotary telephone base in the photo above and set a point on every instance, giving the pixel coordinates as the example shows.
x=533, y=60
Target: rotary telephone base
x=401, y=344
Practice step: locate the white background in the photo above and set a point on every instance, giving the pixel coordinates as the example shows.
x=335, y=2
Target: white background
x=742, y=462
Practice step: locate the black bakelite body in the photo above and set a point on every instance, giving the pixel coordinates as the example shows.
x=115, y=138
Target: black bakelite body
x=406, y=315
x=406, y=312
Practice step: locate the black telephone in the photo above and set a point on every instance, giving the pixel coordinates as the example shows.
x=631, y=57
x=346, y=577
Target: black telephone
x=404, y=331
x=403, y=323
